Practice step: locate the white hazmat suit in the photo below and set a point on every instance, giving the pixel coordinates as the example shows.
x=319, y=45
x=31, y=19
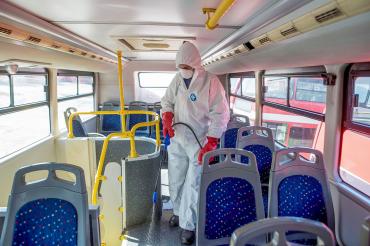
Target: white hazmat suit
x=204, y=107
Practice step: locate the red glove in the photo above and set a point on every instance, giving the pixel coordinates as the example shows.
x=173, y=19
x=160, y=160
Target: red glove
x=167, y=118
x=211, y=145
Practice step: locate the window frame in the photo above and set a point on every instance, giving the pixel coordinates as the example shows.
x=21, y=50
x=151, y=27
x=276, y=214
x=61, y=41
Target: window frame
x=12, y=108
x=241, y=76
x=348, y=124
x=151, y=87
x=77, y=74
x=11, y=97
x=288, y=108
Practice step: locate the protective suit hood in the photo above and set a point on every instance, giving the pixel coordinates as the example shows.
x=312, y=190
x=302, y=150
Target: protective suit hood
x=189, y=55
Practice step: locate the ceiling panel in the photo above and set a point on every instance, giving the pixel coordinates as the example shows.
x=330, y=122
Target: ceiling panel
x=101, y=20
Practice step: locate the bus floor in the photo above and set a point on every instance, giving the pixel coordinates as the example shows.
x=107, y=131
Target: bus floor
x=156, y=232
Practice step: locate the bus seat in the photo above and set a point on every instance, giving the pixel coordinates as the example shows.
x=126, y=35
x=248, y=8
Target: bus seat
x=279, y=227
x=258, y=140
x=157, y=108
x=229, y=138
x=47, y=211
x=110, y=123
x=299, y=187
x=133, y=119
x=78, y=127
x=229, y=197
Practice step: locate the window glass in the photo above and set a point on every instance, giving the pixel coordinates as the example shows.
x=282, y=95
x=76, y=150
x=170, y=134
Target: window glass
x=310, y=94
x=243, y=107
x=293, y=130
x=23, y=128
x=4, y=91
x=66, y=86
x=82, y=104
x=249, y=87
x=361, y=114
x=155, y=79
x=276, y=89
x=29, y=89
x=235, y=86
x=85, y=85
x=354, y=162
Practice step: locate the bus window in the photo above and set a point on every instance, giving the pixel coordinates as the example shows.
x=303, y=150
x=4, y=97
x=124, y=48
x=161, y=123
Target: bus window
x=290, y=129
x=66, y=86
x=235, y=86
x=308, y=94
x=361, y=113
x=4, y=91
x=276, y=89
x=249, y=87
x=354, y=168
x=75, y=89
x=29, y=89
x=25, y=119
x=242, y=96
x=153, y=85
x=297, y=120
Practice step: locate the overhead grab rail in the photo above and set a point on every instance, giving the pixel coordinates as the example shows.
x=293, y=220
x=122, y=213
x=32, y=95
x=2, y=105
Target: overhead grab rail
x=124, y=134
x=212, y=21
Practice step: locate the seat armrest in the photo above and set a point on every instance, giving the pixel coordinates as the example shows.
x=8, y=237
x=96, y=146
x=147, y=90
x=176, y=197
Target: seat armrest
x=94, y=134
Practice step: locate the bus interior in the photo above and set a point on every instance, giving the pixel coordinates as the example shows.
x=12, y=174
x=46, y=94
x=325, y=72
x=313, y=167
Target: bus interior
x=83, y=160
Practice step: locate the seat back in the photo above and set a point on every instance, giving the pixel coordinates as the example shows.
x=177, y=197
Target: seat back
x=258, y=140
x=279, y=227
x=229, y=138
x=157, y=108
x=299, y=187
x=229, y=196
x=78, y=127
x=110, y=123
x=51, y=211
x=133, y=119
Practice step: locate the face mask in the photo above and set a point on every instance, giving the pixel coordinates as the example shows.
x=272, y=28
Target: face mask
x=186, y=74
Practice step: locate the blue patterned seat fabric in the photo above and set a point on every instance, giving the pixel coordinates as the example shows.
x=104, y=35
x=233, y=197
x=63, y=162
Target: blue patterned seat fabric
x=230, y=138
x=230, y=204
x=135, y=119
x=46, y=222
x=111, y=123
x=78, y=130
x=302, y=196
x=263, y=158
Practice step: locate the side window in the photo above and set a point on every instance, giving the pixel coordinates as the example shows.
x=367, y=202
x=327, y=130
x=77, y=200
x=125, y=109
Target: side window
x=4, y=91
x=24, y=109
x=152, y=85
x=296, y=120
x=242, y=95
x=29, y=89
x=75, y=89
x=355, y=155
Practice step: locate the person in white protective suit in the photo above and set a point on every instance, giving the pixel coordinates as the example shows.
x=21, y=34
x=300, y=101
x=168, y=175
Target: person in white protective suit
x=197, y=98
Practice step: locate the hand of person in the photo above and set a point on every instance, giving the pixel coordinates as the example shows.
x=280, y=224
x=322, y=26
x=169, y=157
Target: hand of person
x=210, y=145
x=167, y=119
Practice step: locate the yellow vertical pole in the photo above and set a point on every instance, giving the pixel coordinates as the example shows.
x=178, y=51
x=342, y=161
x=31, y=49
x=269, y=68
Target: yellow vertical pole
x=121, y=92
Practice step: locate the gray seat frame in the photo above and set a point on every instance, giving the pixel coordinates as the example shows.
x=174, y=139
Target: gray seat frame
x=234, y=123
x=280, y=226
x=223, y=169
x=256, y=136
x=288, y=162
x=67, y=114
x=51, y=187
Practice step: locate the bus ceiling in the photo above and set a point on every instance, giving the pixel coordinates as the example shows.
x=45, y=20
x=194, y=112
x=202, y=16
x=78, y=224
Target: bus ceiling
x=250, y=35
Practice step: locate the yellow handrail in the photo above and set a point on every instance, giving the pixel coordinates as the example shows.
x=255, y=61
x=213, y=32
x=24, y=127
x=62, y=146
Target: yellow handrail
x=212, y=21
x=124, y=134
